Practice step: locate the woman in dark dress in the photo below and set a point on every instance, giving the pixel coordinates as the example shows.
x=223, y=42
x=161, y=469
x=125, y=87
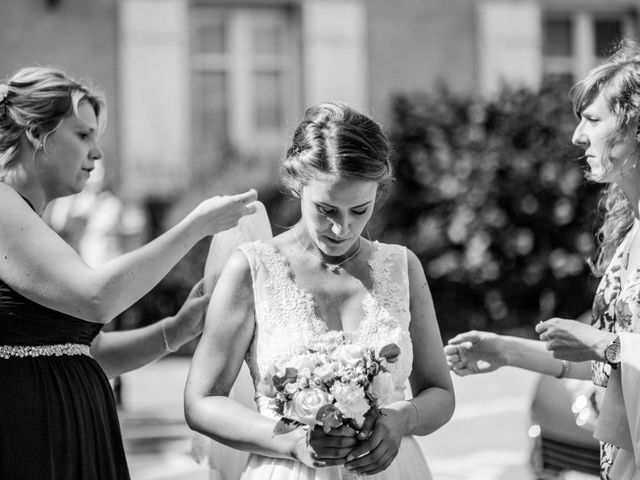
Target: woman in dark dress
x=57, y=413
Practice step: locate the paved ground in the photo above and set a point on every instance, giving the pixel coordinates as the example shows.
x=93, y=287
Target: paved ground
x=485, y=440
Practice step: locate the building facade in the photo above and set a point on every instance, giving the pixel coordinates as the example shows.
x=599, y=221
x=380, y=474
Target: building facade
x=208, y=91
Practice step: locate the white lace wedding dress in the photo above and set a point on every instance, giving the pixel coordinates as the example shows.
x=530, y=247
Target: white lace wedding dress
x=286, y=321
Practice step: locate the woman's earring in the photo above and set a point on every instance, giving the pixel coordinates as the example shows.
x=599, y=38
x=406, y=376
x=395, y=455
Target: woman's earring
x=36, y=147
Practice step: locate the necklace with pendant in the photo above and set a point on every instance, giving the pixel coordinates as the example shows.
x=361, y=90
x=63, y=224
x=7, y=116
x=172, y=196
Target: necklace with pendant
x=332, y=267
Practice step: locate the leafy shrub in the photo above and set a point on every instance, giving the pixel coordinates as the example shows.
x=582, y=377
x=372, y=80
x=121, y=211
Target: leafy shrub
x=491, y=197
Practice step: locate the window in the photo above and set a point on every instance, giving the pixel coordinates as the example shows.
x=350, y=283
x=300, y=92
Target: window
x=575, y=42
x=244, y=68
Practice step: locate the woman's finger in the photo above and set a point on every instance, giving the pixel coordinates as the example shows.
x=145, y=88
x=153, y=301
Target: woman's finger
x=247, y=197
x=375, y=458
x=342, y=431
x=368, y=445
x=382, y=460
x=367, y=427
x=469, y=337
x=451, y=349
x=462, y=372
x=542, y=327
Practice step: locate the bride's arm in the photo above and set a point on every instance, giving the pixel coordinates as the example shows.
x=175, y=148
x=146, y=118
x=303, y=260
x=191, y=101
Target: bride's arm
x=215, y=365
x=433, y=402
x=430, y=380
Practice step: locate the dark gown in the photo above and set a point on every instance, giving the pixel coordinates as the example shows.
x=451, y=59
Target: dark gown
x=58, y=418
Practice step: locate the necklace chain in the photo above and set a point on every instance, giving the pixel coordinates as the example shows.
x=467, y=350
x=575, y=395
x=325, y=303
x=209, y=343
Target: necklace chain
x=332, y=267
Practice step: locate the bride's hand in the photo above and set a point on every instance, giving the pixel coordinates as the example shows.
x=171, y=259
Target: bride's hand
x=319, y=449
x=301, y=450
x=475, y=352
x=376, y=451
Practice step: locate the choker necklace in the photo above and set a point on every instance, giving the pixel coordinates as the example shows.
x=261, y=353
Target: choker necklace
x=332, y=267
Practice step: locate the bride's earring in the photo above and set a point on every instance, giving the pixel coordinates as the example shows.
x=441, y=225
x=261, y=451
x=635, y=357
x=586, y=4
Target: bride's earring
x=39, y=146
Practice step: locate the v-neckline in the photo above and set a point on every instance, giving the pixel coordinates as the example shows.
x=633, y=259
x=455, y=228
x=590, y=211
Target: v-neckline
x=368, y=296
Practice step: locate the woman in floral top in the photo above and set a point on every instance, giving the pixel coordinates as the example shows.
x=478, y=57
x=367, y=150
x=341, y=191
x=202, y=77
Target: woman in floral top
x=607, y=104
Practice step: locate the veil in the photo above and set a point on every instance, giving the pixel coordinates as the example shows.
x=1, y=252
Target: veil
x=228, y=463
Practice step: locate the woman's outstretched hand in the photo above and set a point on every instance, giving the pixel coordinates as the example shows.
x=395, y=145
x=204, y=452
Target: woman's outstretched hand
x=475, y=352
x=220, y=213
x=189, y=321
x=192, y=312
x=573, y=340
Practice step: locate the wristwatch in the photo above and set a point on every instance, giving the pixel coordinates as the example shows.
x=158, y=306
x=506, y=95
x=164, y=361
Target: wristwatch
x=612, y=353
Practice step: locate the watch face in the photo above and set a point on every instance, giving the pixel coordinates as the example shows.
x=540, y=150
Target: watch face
x=612, y=353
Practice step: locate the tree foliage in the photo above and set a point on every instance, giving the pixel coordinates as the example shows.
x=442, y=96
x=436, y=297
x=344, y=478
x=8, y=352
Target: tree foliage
x=491, y=196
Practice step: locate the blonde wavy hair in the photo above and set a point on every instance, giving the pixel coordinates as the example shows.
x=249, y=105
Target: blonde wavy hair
x=618, y=78
x=35, y=102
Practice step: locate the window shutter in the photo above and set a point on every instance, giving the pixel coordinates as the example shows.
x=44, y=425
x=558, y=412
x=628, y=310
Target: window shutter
x=154, y=91
x=509, y=44
x=334, y=52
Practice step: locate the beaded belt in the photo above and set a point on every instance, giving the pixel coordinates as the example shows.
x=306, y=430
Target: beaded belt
x=57, y=350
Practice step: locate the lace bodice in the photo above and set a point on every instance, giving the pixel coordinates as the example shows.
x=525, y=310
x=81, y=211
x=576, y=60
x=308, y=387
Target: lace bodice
x=286, y=318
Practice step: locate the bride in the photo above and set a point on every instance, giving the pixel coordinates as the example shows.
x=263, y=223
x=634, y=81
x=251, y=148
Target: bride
x=273, y=297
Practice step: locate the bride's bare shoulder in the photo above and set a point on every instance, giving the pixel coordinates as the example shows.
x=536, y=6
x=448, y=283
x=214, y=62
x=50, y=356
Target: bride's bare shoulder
x=282, y=241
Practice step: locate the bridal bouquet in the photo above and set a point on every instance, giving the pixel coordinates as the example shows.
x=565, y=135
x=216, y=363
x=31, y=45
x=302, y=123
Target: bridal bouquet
x=332, y=383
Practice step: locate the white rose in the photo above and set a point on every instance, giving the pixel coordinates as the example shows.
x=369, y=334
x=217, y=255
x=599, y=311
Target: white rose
x=324, y=372
x=349, y=355
x=350, y=400
x=305, y=405
x=382, y=387
x=291, y=388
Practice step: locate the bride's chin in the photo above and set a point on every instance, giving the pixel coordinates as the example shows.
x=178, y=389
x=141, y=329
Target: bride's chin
x=334, y=252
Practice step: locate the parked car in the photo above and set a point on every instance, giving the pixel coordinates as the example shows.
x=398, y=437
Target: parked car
x=563, y=415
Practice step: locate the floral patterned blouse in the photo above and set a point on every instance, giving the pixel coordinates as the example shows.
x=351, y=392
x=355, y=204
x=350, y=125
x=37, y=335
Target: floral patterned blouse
x=616, y=308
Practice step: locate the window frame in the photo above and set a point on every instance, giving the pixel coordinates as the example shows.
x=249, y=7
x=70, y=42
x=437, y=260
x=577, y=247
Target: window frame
x=583, y=56
x=241, y=65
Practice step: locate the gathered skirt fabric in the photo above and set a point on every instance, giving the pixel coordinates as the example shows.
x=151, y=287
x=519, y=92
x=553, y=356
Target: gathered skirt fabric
x=58, y=421
x=409, y=464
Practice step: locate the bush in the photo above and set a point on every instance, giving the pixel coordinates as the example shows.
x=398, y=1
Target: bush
x=491, y=197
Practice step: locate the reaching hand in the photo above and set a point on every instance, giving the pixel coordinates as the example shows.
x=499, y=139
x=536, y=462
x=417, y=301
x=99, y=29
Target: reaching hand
x=223, y=212
x=189, y=320
x=573, y=340
x=475, y=352
x=380, y=439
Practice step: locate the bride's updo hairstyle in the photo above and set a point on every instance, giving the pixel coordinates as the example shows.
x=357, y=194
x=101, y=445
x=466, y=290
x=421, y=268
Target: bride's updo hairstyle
x=334, y=138
x=33, y=103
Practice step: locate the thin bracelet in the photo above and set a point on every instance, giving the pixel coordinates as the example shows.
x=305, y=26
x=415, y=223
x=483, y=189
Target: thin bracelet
x=167, y=347
x=565, y=369
x=417, y=415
